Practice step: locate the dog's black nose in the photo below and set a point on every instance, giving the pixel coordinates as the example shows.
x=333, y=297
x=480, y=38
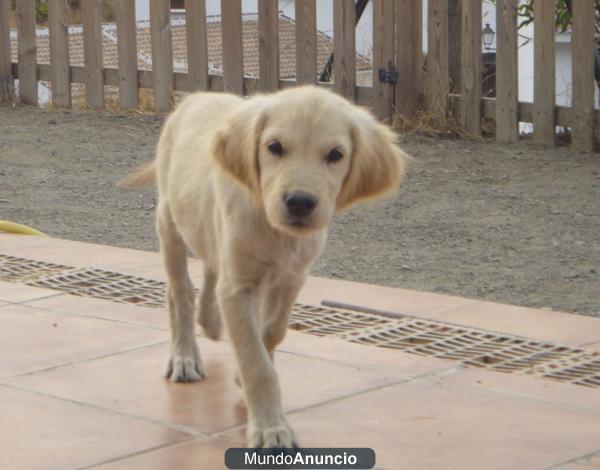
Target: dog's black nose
x=300, y=204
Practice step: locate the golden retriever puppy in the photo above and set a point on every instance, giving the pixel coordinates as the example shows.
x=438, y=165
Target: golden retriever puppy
x=249, y=185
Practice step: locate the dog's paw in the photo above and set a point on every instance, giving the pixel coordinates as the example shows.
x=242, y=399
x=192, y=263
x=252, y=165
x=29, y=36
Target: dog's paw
x=273, y=435
x=182, y=368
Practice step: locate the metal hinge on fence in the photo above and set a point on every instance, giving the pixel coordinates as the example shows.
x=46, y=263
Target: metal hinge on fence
x=389, y=75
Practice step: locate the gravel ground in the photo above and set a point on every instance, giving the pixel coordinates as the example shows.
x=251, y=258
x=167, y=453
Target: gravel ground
x=516, y=224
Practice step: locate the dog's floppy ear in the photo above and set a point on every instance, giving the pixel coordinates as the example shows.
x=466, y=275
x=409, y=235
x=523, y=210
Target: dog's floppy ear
x=377, y=162
x=235, y=143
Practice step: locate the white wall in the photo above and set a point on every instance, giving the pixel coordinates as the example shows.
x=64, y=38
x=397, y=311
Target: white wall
x=142, y=10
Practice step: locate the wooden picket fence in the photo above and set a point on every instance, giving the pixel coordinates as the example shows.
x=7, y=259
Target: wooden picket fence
x=399, y=83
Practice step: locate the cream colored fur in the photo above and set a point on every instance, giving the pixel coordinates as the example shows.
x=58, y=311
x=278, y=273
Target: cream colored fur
x=221, y=194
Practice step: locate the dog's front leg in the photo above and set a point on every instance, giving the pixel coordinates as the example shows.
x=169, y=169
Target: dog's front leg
x=267, y=425
x=277, y=309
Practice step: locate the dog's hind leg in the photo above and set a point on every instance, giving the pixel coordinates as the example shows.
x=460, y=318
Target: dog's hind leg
x=184, y=364
x=209, y=317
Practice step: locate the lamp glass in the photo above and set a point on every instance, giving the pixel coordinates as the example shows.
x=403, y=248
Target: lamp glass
x=488, y=35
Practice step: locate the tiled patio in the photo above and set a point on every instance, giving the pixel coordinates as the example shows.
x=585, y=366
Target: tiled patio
x=81, y=382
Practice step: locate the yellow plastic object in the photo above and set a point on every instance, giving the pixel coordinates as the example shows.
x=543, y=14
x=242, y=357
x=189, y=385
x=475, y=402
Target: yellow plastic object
x=13, y=227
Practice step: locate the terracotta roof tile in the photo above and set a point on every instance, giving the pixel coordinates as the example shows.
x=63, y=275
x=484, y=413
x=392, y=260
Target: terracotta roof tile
x=287, y=47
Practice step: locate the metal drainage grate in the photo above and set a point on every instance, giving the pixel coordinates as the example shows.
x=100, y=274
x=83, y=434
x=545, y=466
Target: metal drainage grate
x=106, y=285
x=14, y=269
x=468, y=346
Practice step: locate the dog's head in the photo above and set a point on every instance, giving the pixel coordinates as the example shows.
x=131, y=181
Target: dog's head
x=305, y=153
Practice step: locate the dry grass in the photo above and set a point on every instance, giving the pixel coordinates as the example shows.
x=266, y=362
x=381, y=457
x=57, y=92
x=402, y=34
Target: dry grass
x=429, y=124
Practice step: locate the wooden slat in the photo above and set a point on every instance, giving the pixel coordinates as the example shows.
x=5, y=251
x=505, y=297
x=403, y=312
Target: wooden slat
x=544, y=89
x=162, y=54
x=181, y=82
x=5, y=59
x=58, y=25
x=454, y=43
x=231, y=30
x=197, y=51
x=409, y=55
x=91, y=18
x=383, y=57
x=437, y=78
x=268, y=44
x=344, y=58
x=127, y=50
x=507, y=73
x=306, y=41
x=470, y=110
x=27, y=52
x=564, y=114
x=583, y=75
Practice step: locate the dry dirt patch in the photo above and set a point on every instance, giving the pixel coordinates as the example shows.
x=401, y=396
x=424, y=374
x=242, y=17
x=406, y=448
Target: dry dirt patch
x=516, y=224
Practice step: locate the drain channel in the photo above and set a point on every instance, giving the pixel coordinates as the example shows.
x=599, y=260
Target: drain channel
x=468, y=346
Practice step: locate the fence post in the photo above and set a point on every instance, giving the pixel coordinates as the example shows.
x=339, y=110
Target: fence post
x=344, y=67
x=58, y=26
x=507, y=73
x=162, y=54
x=5, y=60
x=454, y=44
x=268, y=45
x=306, y=41
x=409, y=56
x=27, y=53
x=470, y=103
x=127, y=51
x=544, y=92
x=91, y=18
x=584, y=15
x=197, y=44
x=383, y=57
x=437, y=78
x=233, y=57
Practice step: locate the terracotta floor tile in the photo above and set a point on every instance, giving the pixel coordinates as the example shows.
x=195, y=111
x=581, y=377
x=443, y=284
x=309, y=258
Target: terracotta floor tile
x=43, y=432
x=156, y=317
x=78, y=254
x=17, y=292
x=384, y=298
x=205, y=453
x=592, y=346
x=590, y=463
x=34, y=339
x=525, y=387
x=11, y=243
x=73, y=253
x=132, y=383
x=428, y=424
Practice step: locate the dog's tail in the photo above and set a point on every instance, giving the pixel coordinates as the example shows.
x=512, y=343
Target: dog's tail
x=142, y=176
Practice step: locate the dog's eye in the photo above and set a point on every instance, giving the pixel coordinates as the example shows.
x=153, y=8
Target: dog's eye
x=275, y=147
x=334, y=156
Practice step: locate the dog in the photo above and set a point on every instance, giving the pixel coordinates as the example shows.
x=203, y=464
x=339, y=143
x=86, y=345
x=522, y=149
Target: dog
x=250, y=185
